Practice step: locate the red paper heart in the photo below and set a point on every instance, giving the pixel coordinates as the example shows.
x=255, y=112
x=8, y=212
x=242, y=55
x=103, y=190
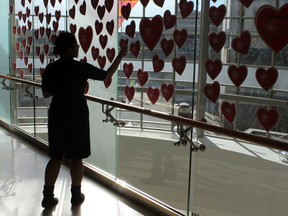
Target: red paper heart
x=142, y=77
x=272, y=26
x=123, y=43
x=55, y=26
x=98, y=27
x=151, y=30
x=144, y=2
x=213, y=68
x=85, y=37
x=17, y=46
x=57, y=15
x=41, y=17
x=135, y=48
x=48, y=18
x=180, y=37
x=101, y=11
x=217, y=14
x=110, y=54
x=153, y=94
x=30, y=39
x=242, y=44
x=186, y=8
x=103, y=39
x=125, y=10
x=36, y=10
x=167, y=46
x=21, y=73
x=30, y=67
x=26, y=60
x=24, y=43
x=76, y=1
x=14, y=66
x=20, y=55
x=109, y=5
x=130, y=29
x=24, y=18
x=167, y=91
x=268, y=119
x=52, y=2
x=45, y=3
x=46, y=49
x=101, y=61
x=28, y=50
x=41, y=57
x=169, y=20
x=72, y=12
x=246, y=3
x=37, y=50
x=95, y=52
x=158, y=64
x=129, y=92
x=73, y=28
x=84, y=59
x=36, y=33
x=94, y=3
x=266, y=78
x=159, y=2
x=29, y=24
x=107, y=82
x=48, y=32
x=212, y=91
x=19, y=30
x=179, y=64
x=128, y=69
x=41, y=30
x=229, y=111
x=110, y=27
x=237, y=74
x=83, y=8
x=28, y=12
x=217, y=41
x=20, y=15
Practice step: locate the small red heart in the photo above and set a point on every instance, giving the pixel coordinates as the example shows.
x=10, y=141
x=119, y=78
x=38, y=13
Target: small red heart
x=57, y=15
x=41, y=17
x=212, y=91
x=30, y=39
x=46, y=49
x=186, y=8
x=237, y=74
x=268, y=119
x=85, y=37
x=107, y=82
x=94, y=3
x=167, y=91
x=142, y=77
x=169, y=20
x=73, y=28
x=36, y=10
x=41, y=71
x=83, y=8
x=130, y=29
x=14, y=66
x=76, y=1
x=246, y=3
x=125, y=10
x=128, y=69
x=28, y=50
x=180, y=37
x=153, y=94
x=41, y=30
x=29, y=24
x=48, y=18
x=26, y=60
x=266, y=78
x=24, y=43
x=55, y=26
x=229, y=111
x=19, y=30
x=21, y=55
x=28, y=12
x=179, y=64
x=151, y=30
x=217, y=41
x=17, y=46
x=37, y=50
x=242, y=44
x=213, y=68
x=95, y=52
x=101, y=11
x=135, y=48
x=103, y=39
x=20, y=15
x=48, y=32
x=24, y=30
x=110, y=27
x=129, y=92
x=98, y=27
x=24, y=18
x=36, y=33
x=30, y=67
x=86, y=88
x=11, y=9
x=167, y=46
x=158, y=64
x=123, y=43
x=144, y=2
x=110, y=54
x=101, y=61
x=217, y=14
x=41, y=57
x=21, y=73
x=45, y=3
x=72, y=12
x=53, y=3
x=109, y=5
x=159, y=2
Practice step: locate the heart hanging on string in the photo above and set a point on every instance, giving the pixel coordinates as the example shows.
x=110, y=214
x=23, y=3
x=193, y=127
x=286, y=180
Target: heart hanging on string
x=237, y=74
x=125, y=10
x=128, y=69
x=169, y=20
x=213, y=68
x=158, y=64
x=110, y=54
x=242, y=44
x=180, y=37
x=167, y=91
x=167, y=46
x=142, y=77
x=266, y=78
x=212, y=91
x=153, y=94
x=217, y=41
x=186, y=8
x=217, y=14
x=129, y=92
x=179, y=64
x=135, y=48
x=267, y=119
x=85, y=37
x=229, y=111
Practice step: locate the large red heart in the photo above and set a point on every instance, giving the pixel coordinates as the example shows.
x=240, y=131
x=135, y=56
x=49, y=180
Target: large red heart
x=85, y=37
x=110, y=27
x=144, y=2
x=153, y=94
x=186, y=8
x=142, y=77
x=246, y=3
x=268, y=119
x=109, y=5
x=110, y=54
x=213, y=68
x=167, y=46
x=167, y=91
x=130, y=29
x=151, y=30
x=95, y=52
x=98, y=27
x=159, y=2
x=212, y=91
x=272, y=26
x=169, y=20
x=158, y=64
x=128, y=69
x=217, y=14
x=101, y=11
x=180, y=37
x=242, y=44
x=103, y=39
x=129, y=92
x=266, y=78
x=229, y=111
x=94, y=3
x=107, y=82
x=125, y=10
x=237, y=74
x=83, y=8
x=217, y=41
x=179, y=64
x=71, y=12
x=101, y=61
x=135, y=48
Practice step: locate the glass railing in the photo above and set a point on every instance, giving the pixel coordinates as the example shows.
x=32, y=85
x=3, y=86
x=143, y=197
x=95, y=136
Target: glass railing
x=225, y=172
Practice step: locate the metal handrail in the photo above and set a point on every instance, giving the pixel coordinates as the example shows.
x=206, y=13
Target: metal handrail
x=263, y=141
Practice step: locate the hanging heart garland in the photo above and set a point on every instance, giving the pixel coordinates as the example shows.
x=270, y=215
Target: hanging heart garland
x=266, y=78
x=237, y=74
x=268, y=119
x=217, y=14
x=85, y=38
x=142, y=77
x=212, y=91
x=213, y=68
x=217, y=41
x=153, y=94
x=242, y=44
x=229, y=111
x=167, y=91
x=129, y=92
x=128, y=69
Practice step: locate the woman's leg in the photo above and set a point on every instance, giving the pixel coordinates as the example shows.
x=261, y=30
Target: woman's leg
x=76, y=172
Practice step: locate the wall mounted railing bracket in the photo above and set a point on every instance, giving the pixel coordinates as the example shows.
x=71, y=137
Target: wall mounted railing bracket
x=106, y=109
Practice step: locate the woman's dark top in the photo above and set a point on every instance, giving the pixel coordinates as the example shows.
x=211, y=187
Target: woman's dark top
x=68, y=115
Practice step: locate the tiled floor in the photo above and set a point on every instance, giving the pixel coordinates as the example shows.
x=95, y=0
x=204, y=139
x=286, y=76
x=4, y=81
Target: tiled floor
x=21, y=182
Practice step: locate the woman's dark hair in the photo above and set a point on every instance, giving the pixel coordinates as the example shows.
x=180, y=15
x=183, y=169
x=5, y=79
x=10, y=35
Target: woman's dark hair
x=63, y=41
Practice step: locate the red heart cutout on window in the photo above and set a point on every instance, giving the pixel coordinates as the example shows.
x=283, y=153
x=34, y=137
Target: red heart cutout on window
x=19, y=31
x=55, y=25
x=21, y=73
x=144, y=2
x=246, y=3
x=242, y=44
x=266, y=78
x=41, y=17
x=53, y=3
x=158, y=64
x=123, y=43
x=41, y=57
x=45, y=2
x=30, y=67
x=212, y=91
x=94, y=3
x=28, y=12
x=24, y=30
x=213, y=68
x=57, y=15
x=142, y=77
x=217, y=15
x=48, y=32
x=180, y=37
x=37, y=50
x=101, y=61
x=23, y=3
x=129, y=92
x=42, y=31
x=24, y=43
x=20, y=55
x=272, y=26
x=73, y=28
x=30, y=39
x=153, y=94
x=98, y=27
x=128, y=69
x=167, y=46
x=36, y=10
x=151, y=30
x=26, y=60
x=36, y=33
x=135, y=48
x=169, y=20
x=217, y=41
x=130, y=29
x=85, y=37
x=167, y=91
x=237, y=74
x=71, y=12
x=110, y=27
x=125, y=10
x=17, y=46
x=109, y=5
x=267, y=119
x=229, y=111
x=110, y=54
x=179, y=64
x=186, y=8
x=101, y=11
x=48, y=18
x=107, y=82
x=28, y=50
x=103, y=39
x=95, y=52
x=83, y=8
x=159, y=2
x=46, y=49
